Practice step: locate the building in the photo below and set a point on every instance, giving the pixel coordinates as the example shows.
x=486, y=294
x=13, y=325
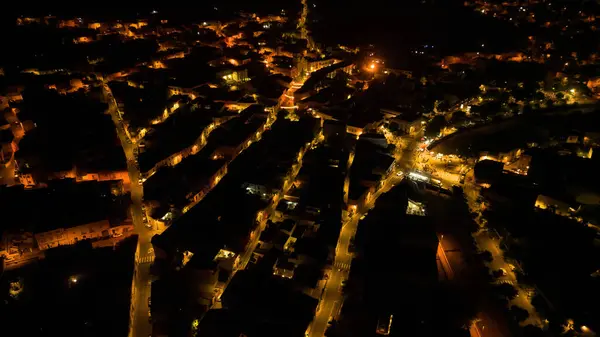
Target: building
x=284, y=268
x=78, y=286
x=62, y=214
x=93, y=230
x=7, y=145
x=305, y=66
x=234, y=75
x=555, y=205
x=204, y=276
x=269, y=304
x=406, y=124
x=375, y=138
x=321, y=79
x=120, y=178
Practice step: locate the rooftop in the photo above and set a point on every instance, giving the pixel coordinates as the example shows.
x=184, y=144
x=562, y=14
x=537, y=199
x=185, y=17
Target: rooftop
x=178, y=132
x=74, y=291
x=63, y=203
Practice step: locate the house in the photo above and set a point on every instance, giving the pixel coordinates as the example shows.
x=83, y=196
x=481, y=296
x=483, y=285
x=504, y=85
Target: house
x=260, y=299
x=203, y=274
x=234, y=75
x=488, y=171
x=375, y=138
x=407, y=124
x=8, y=146
x=305, y=66
x=321, y=78
x=556, y=205
x=93, y=230
x=284, y=268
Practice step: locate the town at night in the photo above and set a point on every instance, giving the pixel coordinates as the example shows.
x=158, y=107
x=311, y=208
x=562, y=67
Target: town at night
x=300, y=168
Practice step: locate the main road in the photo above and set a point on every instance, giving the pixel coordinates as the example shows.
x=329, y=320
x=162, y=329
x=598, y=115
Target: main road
x=141, y=325
x=332, y=297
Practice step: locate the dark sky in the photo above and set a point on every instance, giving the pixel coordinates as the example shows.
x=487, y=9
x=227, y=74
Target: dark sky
x=406, y=24
x=198, y=9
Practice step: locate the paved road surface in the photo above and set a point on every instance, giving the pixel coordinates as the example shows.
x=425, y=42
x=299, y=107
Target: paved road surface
x=141, y=324
x=343, y=258
x=7, y=173
x=486, y=242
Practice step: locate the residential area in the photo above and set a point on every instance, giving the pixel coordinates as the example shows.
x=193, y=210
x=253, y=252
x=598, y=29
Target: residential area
x=250, y=170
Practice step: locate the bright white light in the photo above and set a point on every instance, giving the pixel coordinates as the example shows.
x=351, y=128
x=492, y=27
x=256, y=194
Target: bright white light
x=418, y=176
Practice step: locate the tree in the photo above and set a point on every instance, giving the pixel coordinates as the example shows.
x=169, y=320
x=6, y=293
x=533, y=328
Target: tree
x=524, y=279
x=513, y=108
x=486, y=256
x=458, y=117
x=464, y=300
x=533, y=331
x=435, y=126
x=281, y=114
x=332, y=329
x=540, y=304
x=519, y=313
x=515, y=254
x=505, y=290
x=488, y=171
x=538, y=96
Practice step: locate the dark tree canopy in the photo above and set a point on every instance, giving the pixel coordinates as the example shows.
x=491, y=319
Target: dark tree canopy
x=519, y=313
x=435, y=126
x=506, y=290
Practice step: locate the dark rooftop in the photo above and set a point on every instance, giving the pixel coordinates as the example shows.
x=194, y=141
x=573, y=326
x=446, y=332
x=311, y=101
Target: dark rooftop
x=57, y=305
x=63, y=203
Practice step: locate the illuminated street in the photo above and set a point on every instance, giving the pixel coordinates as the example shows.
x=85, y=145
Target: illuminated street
x=141, y=324
x=523, y=300
x=204, y=172
x=485, y=242
x=332, y=297
x=245, y=258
